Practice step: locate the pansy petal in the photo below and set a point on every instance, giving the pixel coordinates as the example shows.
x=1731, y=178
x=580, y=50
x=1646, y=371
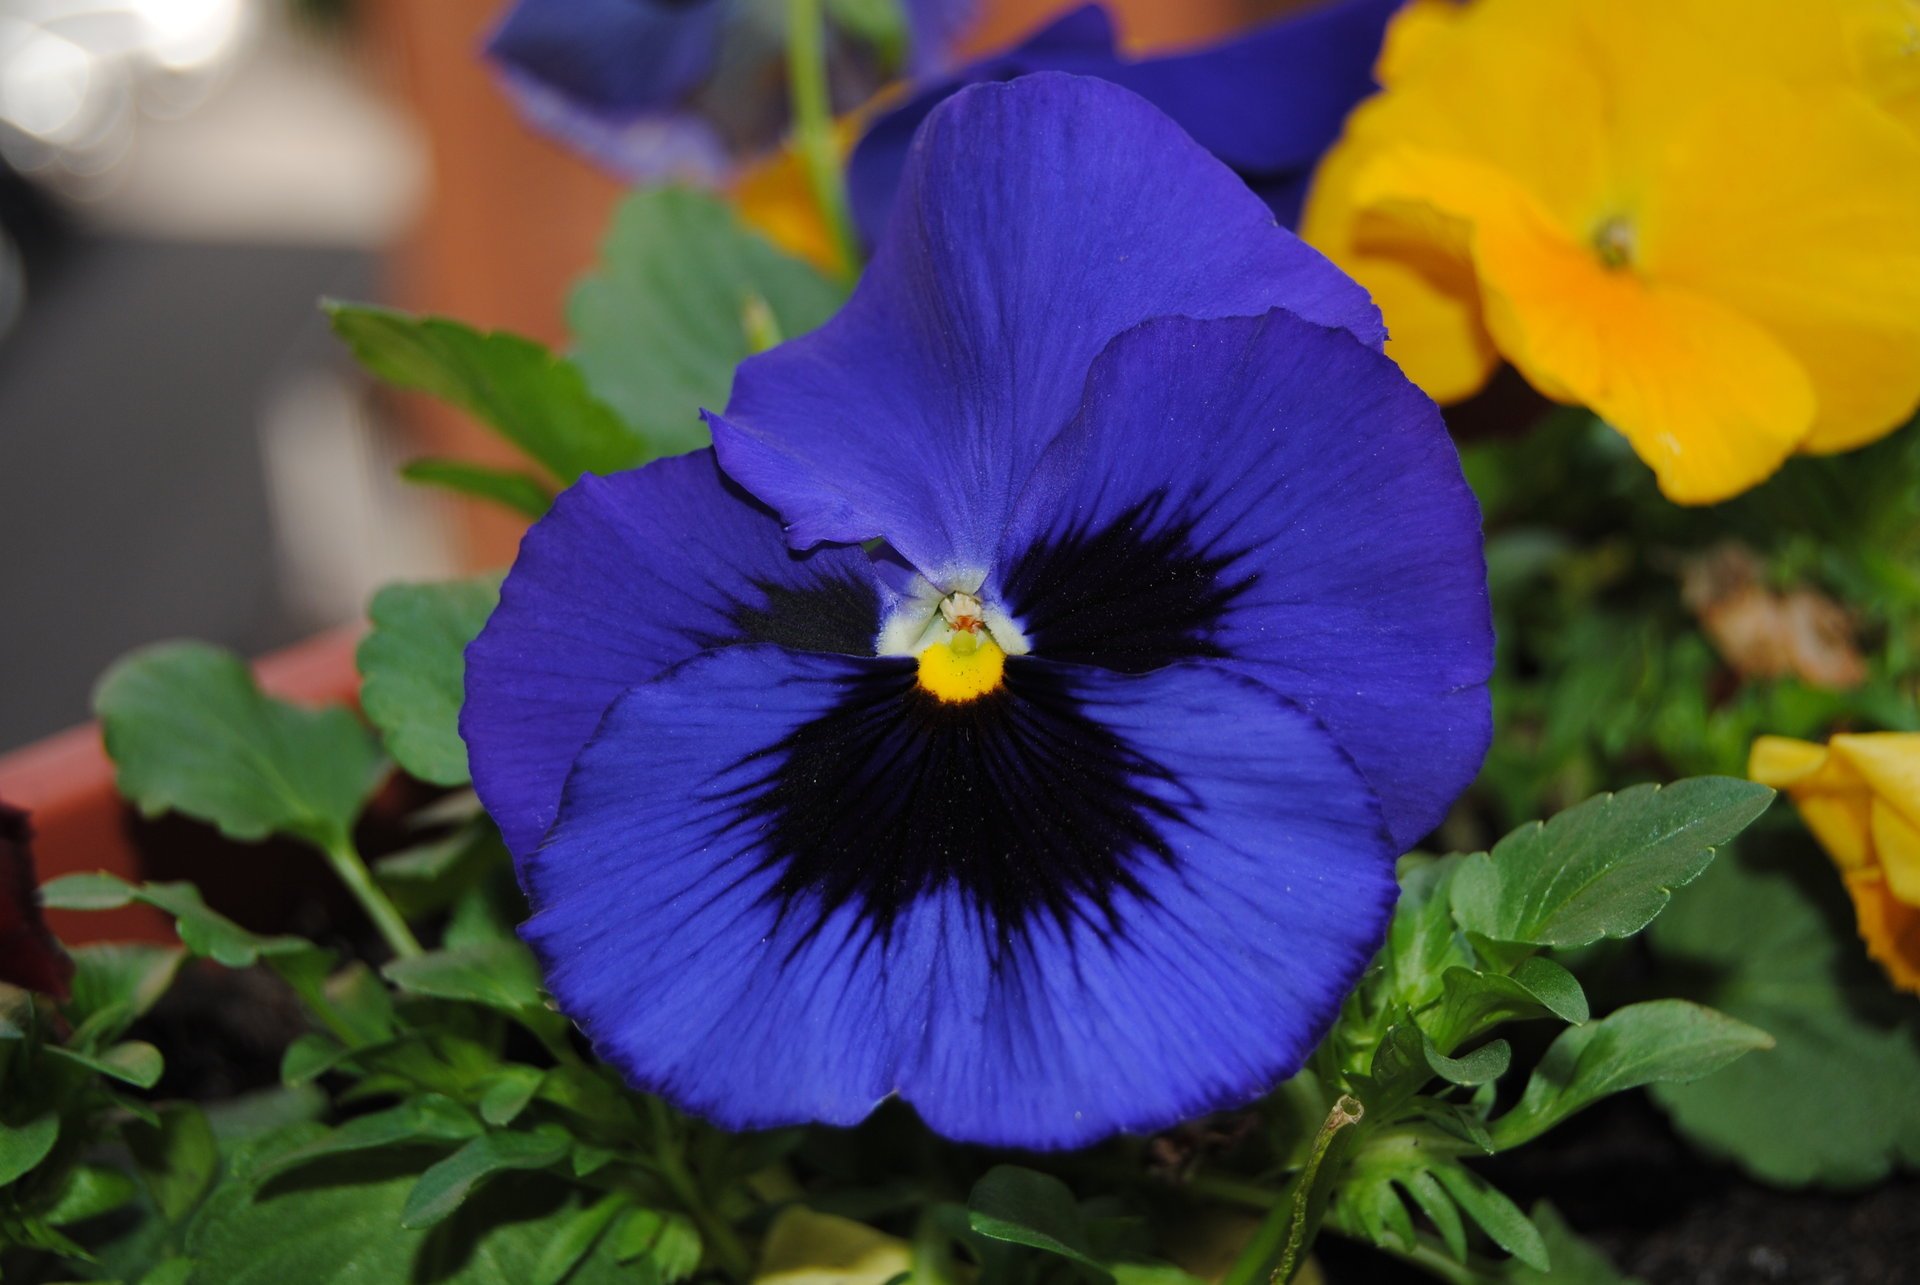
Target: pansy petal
x=1277, y=495
x=615, y=56
x=1088, y=902
x=628, y=575
x=1037, y=219
x=932, y=28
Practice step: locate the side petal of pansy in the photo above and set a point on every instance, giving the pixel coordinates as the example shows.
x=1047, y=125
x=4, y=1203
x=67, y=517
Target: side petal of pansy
x=1276, y=495
x=624, y=577
x=1037, y=219
x=784, y=886
x=1268, y=102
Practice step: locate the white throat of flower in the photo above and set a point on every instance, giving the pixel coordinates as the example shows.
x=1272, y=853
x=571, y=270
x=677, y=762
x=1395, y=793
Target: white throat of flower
x=932, y=617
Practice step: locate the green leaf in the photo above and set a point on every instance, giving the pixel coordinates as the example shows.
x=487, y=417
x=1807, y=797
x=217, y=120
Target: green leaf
x=1440, y=1210
x=1497, y=1216
x=1422, y=940
x=309, y=1057
x=172, y=1271
x=95, y=891
x=177, y=1160
x=341, y=1223
x=26, y=1145
x=1658, y=1041
x=1603, y=868
x=442, y=1188
x=1473, y=1003
x=114, y=983
x=87, y=1191
x=210, y=934
x=135, y=1062
x=428, y=1120
x=509, y=1093
x=669, y=1242
x=575, y=1239
x=413, y=671
x=1574, y=1261
x=532, y=397
x=1482, y=1066
x=660, y=326
x=1770, y=937
x=1034, y=1209
x=509, y=488
x=499, y=974
x=191, y=732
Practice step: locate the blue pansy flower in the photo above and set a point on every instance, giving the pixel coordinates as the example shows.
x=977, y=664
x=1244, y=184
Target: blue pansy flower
x=1071, y=805
x=678, y=88
x=1268, y=102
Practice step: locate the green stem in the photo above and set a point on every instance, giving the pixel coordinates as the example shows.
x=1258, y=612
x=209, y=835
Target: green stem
x=1281, y=1242
x=813, y=125
x=718, y=1234
x=347, y=863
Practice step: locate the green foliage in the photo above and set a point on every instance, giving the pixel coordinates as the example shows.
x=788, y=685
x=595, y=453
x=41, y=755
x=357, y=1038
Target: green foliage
x=530, y=396
x=1604, y=868
x=189, y=731
x=661, y=324
x=511, y=489
x=1027, y=1208
x=413, y=671
x=1768, y=937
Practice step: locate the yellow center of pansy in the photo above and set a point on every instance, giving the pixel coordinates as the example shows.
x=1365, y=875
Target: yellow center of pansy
x=1613, y=241
x=964, y=668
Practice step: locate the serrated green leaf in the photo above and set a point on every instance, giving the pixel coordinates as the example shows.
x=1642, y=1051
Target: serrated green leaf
x=509, y=488
x=177, y=1160
x=413, y=671
x=660, y=325
x=499, y=974
x=22, y=1146
x=1659, y=1041
x=341, y=1222
x=1473, y=1003
x=189, y=731
x=574, y=1239
x=1497, y=1216
x=1770, y=936
x=1033, y=1209
x=534, y=398
x=1604, y=868
x=210, y=934
x=134, y=1062
x=87, y=1191
x=443, y=1187
x=1422, y=940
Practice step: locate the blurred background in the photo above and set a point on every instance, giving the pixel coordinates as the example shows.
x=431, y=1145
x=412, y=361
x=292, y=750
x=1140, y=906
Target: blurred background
x=184, y=449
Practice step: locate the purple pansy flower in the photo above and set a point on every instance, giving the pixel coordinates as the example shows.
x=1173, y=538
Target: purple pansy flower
x=1268, y=102
x=677, y=88
x=1071, y=805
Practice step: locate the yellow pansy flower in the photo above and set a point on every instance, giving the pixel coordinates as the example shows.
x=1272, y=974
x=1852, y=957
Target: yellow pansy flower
x=1700, y=219
x=1860, y=795
x=806, y=1248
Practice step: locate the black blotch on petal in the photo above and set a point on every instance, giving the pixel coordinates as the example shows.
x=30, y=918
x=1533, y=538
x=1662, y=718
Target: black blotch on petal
x=1020, y=800
x=1131, y=596
x=830, y=613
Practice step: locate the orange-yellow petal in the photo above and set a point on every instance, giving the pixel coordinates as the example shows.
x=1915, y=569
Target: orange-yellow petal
x=1801, y=210
x=1706, y=397
x=1426, y=294
x=1889, y=927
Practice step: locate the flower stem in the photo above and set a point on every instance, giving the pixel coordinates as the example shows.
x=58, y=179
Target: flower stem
x=1284, y=1236
x=347, y=863
x=813, y=125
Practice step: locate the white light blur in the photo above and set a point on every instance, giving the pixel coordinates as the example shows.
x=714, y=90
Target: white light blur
x=44, y=84
x=184, y=35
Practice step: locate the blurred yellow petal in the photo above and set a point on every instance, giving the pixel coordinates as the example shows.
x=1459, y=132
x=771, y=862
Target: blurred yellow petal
x=1426, y=293
x=1889, y=927
x=773, y=197
x=1782, y=762
x=1418, y=31
x=805, y=1248
x=1707, y=398
x=1887, y=763
x=1896, y=844
x=1802, y=211
x=1843, y=824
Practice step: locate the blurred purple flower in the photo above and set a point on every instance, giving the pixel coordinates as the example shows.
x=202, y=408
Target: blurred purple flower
x=1268, y=102
x=30, y=957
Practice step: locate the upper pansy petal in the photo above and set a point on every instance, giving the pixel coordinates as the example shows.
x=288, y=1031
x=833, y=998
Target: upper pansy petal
x=628, y=575
x=1037, y=219
x=1278, y=496
x=932, y=28
x=1113, y=901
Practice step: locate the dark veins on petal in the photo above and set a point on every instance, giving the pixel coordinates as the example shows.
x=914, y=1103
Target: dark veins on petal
x=1020, y=799
x=1131, y=596
x=833, y=613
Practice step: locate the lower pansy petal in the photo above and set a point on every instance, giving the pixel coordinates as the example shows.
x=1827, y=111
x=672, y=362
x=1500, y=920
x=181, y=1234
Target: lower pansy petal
x=784, y=886
x=1275, y=495
x=917, y=412
x=628, y=575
